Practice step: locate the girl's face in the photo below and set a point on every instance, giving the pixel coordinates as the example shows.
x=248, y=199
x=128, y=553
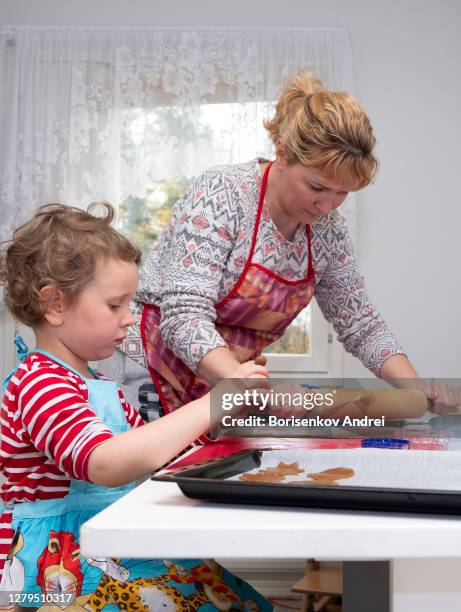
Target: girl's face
x=96, y=322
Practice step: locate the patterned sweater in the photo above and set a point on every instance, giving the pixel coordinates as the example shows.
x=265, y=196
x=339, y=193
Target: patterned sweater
x=200, y=255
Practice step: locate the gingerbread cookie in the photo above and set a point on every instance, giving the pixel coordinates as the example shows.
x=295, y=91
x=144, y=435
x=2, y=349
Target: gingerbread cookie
x=273, y=474
x=262, y=476
x=338, y=473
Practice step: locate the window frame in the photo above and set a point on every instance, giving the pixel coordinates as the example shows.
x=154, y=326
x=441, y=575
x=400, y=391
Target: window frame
x=318, y=359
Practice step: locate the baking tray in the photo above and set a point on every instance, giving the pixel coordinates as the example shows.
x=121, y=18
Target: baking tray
x=215, y=481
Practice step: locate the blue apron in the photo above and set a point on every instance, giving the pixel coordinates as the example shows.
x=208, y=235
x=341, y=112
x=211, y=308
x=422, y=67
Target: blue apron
x=47, y=554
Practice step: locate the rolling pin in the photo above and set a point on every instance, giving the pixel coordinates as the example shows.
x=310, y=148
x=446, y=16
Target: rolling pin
x=392, y=403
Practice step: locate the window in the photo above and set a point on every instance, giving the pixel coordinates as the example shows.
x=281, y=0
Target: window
x=143, y=217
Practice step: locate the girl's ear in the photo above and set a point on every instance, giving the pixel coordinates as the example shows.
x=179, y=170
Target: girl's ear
x=52, y=304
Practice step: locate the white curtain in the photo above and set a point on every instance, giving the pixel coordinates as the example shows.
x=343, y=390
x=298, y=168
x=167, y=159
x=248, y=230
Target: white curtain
x=107, y=113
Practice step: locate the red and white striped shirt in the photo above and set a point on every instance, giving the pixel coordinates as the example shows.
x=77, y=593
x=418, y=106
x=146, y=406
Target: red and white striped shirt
x=47, y=432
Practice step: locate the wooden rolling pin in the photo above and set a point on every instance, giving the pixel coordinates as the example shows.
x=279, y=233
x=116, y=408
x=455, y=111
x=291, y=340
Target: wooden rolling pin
x=391, y=403
x=357, y=403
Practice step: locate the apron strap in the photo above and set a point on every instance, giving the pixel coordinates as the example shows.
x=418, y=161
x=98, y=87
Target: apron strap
x=22, y=351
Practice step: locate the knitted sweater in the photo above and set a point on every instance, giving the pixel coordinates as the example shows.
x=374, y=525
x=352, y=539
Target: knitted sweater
x=200, y=255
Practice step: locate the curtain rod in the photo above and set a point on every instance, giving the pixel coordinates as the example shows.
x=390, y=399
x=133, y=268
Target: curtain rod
x=173, y=28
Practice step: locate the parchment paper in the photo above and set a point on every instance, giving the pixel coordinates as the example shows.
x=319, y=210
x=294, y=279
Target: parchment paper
x=401, y=469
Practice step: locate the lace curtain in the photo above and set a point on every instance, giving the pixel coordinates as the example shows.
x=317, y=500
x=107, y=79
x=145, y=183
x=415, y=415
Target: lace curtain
x=112, y=113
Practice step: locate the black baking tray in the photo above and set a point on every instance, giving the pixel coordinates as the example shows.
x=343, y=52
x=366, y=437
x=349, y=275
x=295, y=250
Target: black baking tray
x=207, y=481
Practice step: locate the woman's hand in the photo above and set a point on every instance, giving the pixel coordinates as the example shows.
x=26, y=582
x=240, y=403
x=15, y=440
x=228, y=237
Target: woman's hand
x=250, y=369
x=443, y=398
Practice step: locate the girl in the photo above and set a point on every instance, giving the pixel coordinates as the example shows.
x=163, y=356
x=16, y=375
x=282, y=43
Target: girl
x=71, y=444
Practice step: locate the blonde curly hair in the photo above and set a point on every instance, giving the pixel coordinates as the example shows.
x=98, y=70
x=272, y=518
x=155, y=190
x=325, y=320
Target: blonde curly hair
x=325, y=130
x=60, y=246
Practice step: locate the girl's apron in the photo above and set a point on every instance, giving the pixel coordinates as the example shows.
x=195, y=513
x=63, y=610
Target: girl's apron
x=45, y=566
x=255, y=314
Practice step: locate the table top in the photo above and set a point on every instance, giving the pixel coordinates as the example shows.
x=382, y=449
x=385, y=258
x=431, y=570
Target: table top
x=156, y=520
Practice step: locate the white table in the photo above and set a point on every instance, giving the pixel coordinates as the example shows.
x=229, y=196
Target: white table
x=155, y=520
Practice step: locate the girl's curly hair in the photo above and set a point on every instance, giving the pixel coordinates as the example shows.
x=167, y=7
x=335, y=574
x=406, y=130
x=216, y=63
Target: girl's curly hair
x=61, y=246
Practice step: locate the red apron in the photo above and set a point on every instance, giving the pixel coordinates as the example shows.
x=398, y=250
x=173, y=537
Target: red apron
x=255, y=314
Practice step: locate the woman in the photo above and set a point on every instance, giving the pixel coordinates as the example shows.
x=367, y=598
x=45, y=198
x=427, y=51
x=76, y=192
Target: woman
x=249, y=245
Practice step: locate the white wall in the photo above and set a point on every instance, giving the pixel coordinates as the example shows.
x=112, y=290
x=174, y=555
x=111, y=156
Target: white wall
x=407, y=76
x=426, y=585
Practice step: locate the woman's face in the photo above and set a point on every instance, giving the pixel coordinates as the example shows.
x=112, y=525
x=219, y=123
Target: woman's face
x=304, y=193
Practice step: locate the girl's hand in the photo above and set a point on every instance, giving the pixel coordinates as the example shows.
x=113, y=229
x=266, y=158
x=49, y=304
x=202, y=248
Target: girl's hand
x=247, y=376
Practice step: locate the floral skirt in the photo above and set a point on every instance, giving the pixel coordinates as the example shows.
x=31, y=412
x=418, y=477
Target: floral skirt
x=45, y=570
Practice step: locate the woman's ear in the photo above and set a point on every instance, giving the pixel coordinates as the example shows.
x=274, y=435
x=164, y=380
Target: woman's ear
x=52, y=304
x=281, y=157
